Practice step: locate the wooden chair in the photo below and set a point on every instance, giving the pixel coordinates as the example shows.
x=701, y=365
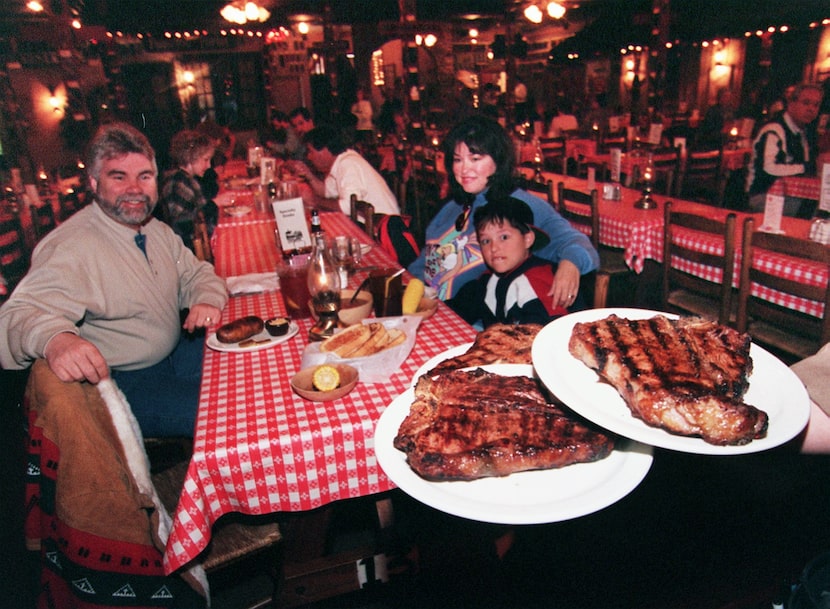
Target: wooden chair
x=543, y=189
x=425, y=193
x=581, y=210
x=14, y=255
x=363, y=214
x=236, y=537
x=613, y=139
x=201, y=239
x=791, y=334
x=554, y=156
x=601, y=172
x=701, y=179
x=43, y=219
x=666, y=163
x=684, y=292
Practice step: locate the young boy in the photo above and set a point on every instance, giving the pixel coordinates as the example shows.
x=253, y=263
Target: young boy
x=515, y=287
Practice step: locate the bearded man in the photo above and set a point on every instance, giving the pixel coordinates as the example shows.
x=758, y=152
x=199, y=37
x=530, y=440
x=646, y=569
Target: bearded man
x=114, y=292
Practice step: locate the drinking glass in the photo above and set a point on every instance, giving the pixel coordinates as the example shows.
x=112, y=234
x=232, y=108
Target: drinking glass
x=355, y=251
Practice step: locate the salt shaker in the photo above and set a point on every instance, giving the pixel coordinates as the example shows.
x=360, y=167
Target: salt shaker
x=820, y=231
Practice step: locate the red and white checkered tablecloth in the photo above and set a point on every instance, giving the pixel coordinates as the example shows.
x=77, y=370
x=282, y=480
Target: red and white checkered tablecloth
x=640, y=234
x=260, y=448
x=801, y=187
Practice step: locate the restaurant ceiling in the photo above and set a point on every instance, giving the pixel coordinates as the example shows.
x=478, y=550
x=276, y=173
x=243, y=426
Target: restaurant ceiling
x=692, y=19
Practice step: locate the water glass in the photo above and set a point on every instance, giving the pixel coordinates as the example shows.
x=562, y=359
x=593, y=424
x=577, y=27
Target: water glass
x=355, y=251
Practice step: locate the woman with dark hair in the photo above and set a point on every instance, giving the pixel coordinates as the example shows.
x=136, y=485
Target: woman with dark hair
x=480, y=162
x=181, y=193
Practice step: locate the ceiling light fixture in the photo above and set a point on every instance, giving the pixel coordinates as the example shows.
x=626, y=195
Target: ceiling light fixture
x=240, y=13
x=534, y=14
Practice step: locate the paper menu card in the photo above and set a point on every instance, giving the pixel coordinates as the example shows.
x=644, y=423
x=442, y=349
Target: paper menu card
x=291, y=224
x=824, y=188
x=616, y=160
x=773, y=210
x=655, y=133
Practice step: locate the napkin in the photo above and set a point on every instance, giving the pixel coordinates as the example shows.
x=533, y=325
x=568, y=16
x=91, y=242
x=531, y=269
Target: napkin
x=252, y=283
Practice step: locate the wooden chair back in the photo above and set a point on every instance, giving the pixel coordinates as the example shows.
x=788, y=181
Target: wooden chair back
x=613, y=139
x=424, y=195
x=702, y=176
x=793, y=334
x=554, y=156
x=685, y=292
x=666, y=162
x=581, y=210
x=543, y=189
x=362, y=213
x=43, y=219
x=201, y=239
x=14, y=255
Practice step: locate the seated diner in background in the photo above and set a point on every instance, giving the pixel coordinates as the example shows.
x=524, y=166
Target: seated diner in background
x=346, y=174
x=280, y=139
x=515, y=287
x=786, y=146
x=104, y=293
x=480, y=164
x=181, y=197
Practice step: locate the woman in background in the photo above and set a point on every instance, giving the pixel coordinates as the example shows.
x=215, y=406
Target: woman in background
x=480, y=162
x=181, y=197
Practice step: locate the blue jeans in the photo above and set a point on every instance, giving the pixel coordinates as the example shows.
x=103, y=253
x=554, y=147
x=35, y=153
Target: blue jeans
x=165, y=397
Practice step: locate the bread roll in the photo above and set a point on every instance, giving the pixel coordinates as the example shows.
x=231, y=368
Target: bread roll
x=346, y=340
x=376, y=342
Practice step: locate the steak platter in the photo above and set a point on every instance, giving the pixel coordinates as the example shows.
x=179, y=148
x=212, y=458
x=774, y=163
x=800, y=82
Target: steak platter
x=687, y=376
x=497, y=344
x=467, y=423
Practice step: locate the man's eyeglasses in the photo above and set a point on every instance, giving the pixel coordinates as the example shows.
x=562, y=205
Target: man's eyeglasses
x=461, y=220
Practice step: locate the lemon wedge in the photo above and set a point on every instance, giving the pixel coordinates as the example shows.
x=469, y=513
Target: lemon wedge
x=325, y=378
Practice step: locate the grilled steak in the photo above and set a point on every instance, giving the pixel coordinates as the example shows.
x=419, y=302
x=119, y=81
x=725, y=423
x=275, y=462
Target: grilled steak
x=686, y=376
x=497, y=344
x=473, y=424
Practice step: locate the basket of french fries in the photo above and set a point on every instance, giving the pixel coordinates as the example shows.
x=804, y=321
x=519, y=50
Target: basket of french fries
x=377, y=347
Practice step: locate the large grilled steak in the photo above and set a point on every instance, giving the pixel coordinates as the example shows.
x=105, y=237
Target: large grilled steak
x=472, y=424
x=497, y=344
x=687, y=376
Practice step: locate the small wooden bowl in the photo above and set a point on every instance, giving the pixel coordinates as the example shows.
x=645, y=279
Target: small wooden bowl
x=427, y=307
x=302, y=385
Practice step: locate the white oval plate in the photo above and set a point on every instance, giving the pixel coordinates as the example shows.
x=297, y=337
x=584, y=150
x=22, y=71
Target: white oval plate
x=773, y=388
x=214, y=343
x=532, y=497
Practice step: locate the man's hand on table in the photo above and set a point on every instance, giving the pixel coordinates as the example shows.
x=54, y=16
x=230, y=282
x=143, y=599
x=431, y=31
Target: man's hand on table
x=201, y=316
x=73, y=358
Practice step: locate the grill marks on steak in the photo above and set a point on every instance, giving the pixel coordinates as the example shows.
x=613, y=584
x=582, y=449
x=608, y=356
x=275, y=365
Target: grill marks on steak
x=687, y=377
x=465, y=425
x=496, y=344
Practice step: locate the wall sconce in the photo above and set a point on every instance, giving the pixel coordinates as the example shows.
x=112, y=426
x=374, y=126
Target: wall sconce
x=427, y=40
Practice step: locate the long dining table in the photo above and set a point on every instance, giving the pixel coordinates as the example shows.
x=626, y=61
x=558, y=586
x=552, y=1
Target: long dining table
x=639, y=233
x=258, y=447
